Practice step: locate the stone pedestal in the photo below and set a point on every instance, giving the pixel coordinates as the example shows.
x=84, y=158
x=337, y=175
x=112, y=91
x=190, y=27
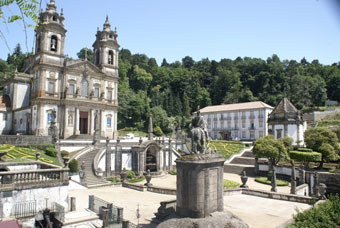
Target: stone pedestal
x=199, y=186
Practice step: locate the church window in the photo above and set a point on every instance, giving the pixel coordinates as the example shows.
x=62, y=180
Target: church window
x=38, y=43
x=49, y=117
x=84, y=88
x=54, y=18
x=54, y=43
x=71, y=89
x=109, y=95
x=96, y=92
x=110, y=58
x=108, y=121
x=278, y=133
x=51, y=86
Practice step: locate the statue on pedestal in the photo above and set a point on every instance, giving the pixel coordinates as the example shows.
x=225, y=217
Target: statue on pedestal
x=199, y=134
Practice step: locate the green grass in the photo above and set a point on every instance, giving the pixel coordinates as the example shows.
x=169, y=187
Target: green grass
x=264, y=180
x=113, y=179
x=139, y=179
x=325, y=123
x=24, y=154
x=230, y=184
x=226, y=148
x=172, y=172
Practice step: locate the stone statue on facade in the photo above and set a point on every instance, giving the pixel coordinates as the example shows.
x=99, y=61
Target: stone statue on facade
x=199, y=134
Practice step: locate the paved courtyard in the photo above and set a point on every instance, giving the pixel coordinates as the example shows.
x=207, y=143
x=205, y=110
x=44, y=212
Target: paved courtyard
x=258, y=212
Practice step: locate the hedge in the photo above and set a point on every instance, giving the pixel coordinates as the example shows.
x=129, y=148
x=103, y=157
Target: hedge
x=51, y=151
x=305, y=150
x=304, y=156
x=73, y=165
x=264, y=180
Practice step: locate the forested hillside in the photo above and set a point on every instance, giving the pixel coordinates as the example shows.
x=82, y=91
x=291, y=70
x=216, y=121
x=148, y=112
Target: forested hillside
x=176, y=89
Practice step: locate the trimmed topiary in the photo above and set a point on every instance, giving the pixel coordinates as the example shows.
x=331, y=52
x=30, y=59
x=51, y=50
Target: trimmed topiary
x=130, y=174
x=305, y=156
x=51, y=151
x=74, y=166
x=64, y=153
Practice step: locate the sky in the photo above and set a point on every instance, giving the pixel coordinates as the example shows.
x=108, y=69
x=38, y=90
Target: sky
x=214, y=29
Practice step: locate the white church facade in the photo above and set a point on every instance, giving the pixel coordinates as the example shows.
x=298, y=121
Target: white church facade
x=79, y=91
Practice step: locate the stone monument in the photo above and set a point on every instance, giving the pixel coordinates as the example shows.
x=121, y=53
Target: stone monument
x=200, y=186
x=199, y=176
x=53, y=129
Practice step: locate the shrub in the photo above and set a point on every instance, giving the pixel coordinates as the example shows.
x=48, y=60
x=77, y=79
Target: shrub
x=305, y=156
x=51, y=151
x=130, y=174
x=74, y=166
x=246, y=144
x=64, y=153
x=158, y=131
x=172, y=172
x=325, y=215
x=305, y=150
x=139, y=179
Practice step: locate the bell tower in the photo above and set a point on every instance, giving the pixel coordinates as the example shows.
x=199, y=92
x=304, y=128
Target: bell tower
x=106, y=49
x=50, y=33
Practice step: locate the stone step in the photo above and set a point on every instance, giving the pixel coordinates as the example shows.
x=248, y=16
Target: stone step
x=248, y=154
x=243, y=161
x=238, y=169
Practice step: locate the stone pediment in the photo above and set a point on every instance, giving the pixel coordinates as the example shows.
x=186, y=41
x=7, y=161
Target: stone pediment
x=82, y=66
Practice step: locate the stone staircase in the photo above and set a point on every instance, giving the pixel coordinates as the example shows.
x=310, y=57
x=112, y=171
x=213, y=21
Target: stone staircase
x=245, y=162
x=91, y=179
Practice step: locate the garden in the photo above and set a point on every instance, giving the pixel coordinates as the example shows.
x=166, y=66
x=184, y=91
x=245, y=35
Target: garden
x=48, y=153
x=227, y=148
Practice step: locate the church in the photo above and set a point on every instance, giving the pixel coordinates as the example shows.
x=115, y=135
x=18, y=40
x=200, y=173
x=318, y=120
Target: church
x=79, y=93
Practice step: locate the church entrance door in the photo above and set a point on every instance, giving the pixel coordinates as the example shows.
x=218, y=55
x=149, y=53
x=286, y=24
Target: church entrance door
x=83, y=122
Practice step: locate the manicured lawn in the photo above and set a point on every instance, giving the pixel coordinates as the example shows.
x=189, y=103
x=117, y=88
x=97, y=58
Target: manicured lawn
x=226, y=148
x=230, y=184
x=22, y=154
x=264, y=180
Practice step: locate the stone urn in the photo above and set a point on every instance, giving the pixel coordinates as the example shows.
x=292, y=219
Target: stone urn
x=37, y=156
x=244, y=180
x=148, y=178
x=66, y=161
x=322, y=191
x=123, y=175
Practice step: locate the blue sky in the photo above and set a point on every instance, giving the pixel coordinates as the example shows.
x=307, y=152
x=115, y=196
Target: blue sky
x=213, y=29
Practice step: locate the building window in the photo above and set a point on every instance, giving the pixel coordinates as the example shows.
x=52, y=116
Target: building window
x=49, y=117
x=54, y=43
x=110, y=57
x=261, y=123
x=252, y=135
x=84, y=88
x=51, y=86
x=243, y=123
x=97, y=57
x=71, y=89
x=108, y=121
x=4, y=116
x=260, y=134
x=21, y=121
x=109, y=95
x=278, y=133
x=243, y=134
x=96, y=92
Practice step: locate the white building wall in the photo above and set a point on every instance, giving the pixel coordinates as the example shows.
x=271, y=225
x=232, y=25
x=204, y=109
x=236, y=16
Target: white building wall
x=23, y=94
x=40, y=195
x=20, y=120
x=5, y=125
x=292, y=132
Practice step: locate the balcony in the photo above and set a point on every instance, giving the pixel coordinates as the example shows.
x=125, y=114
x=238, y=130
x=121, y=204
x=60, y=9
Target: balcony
x=28, y=179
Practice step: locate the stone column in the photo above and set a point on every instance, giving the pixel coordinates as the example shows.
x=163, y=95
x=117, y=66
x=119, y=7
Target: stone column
x=170, y=156
x=102, y=123
x=293, y=179
x=164, y=160
x=65, y=135
x=199, y=187
x=77, y=132
x=118, y=159
x=91, y=124
x=108, y=158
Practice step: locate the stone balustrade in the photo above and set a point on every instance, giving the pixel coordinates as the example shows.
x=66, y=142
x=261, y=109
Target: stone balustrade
x=28, y=179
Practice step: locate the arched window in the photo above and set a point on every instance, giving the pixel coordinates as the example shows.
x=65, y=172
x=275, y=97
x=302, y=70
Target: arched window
x=70, y=119
x=84, y=88
x=110, y=58
x=54, y=43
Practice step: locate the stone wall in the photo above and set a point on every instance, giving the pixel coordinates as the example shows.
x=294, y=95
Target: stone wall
x=24, y=140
